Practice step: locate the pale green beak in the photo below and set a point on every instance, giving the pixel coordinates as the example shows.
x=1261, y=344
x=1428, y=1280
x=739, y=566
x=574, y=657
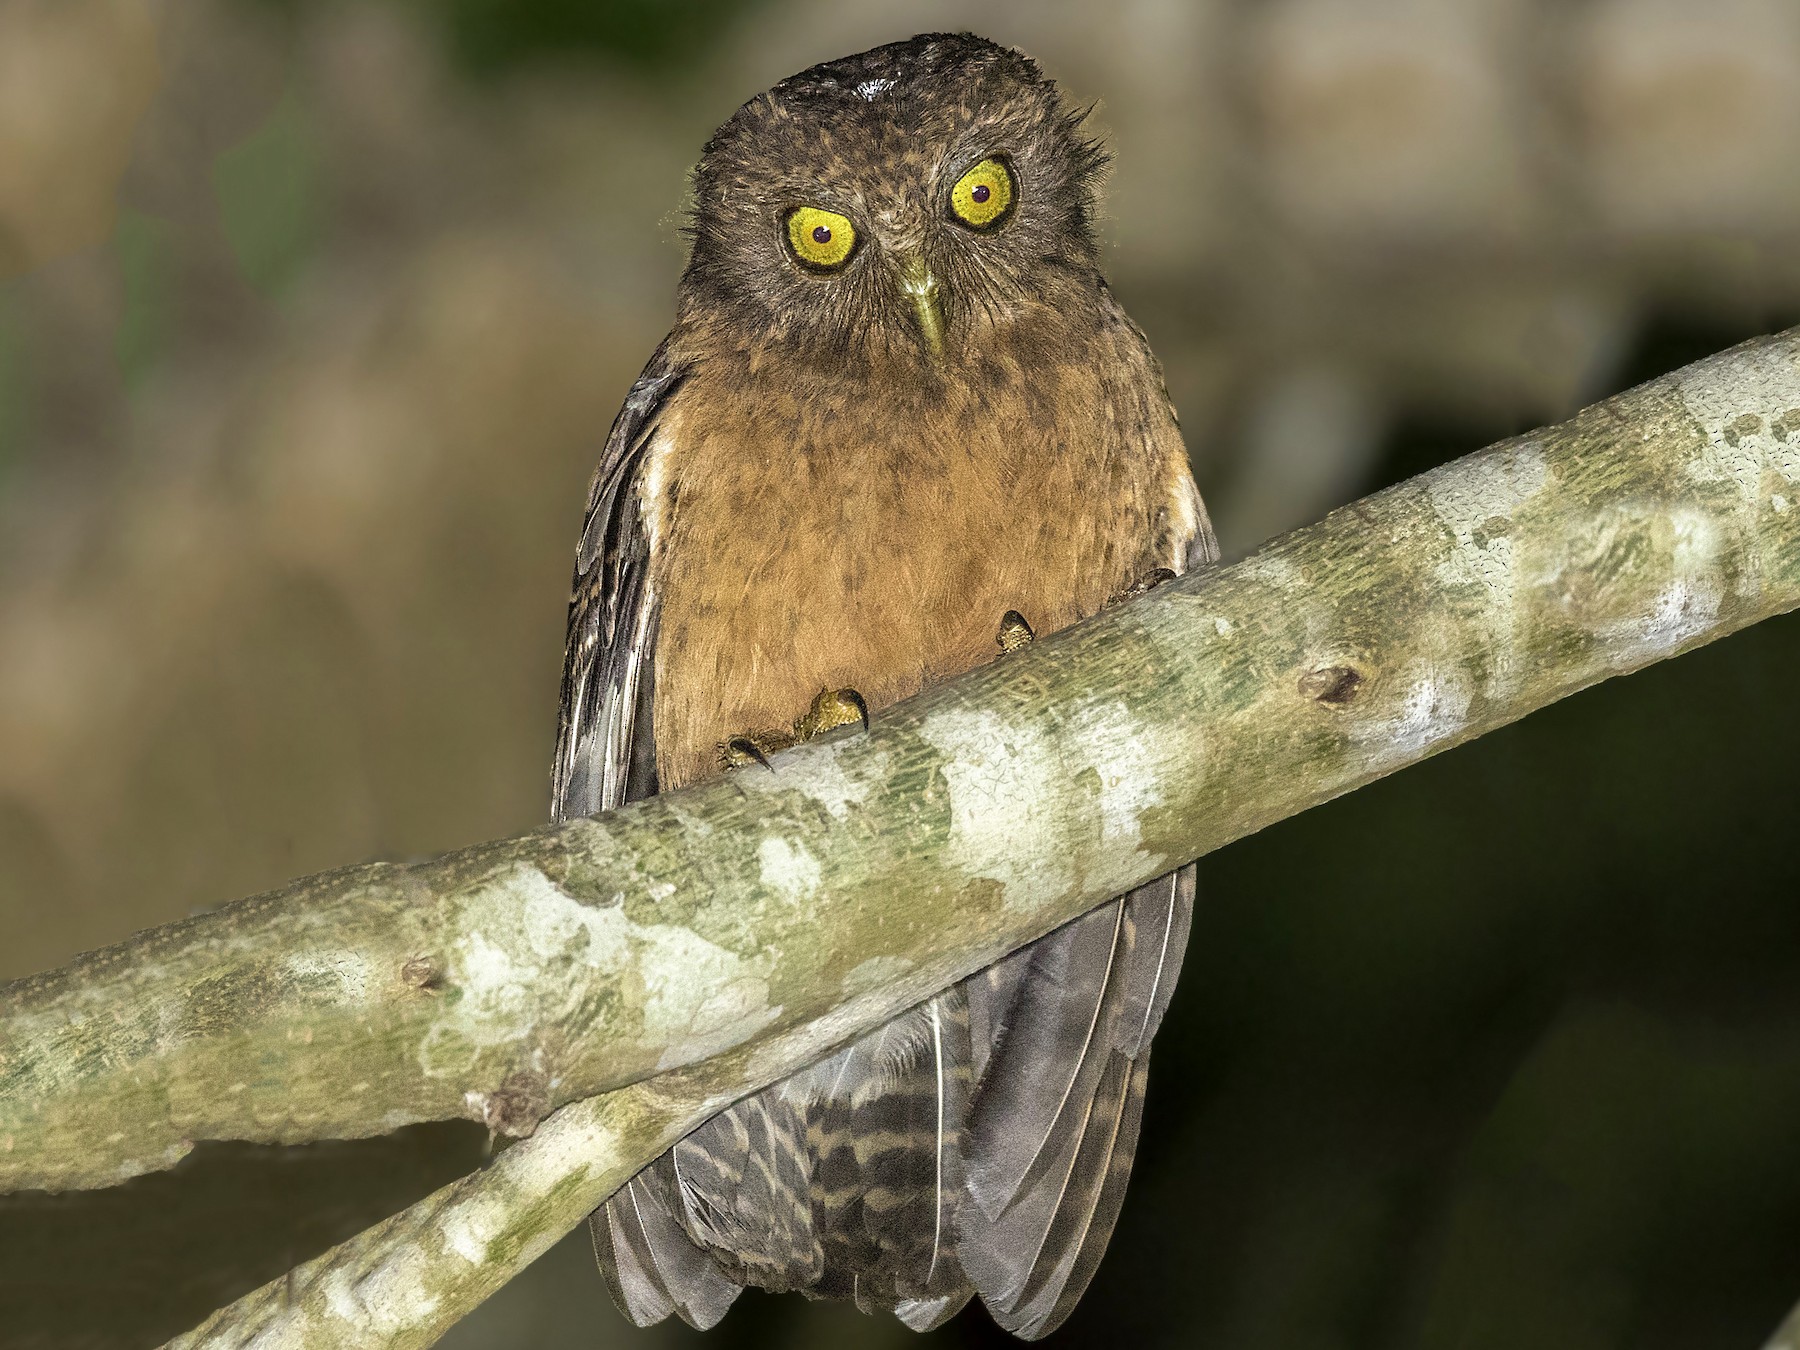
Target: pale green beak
x=922, y=289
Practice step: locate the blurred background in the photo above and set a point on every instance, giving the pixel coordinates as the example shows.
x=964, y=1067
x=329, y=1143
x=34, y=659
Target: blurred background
x=313, y=315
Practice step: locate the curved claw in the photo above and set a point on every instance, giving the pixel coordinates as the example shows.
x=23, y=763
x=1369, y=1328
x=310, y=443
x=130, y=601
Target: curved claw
x=856, y=700
x=742, y=750
x=830, y=708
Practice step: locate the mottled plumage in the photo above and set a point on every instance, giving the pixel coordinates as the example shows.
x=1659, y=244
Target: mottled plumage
x=847, y=477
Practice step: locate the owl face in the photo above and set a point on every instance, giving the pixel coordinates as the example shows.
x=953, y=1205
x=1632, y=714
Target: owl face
x=904, y=202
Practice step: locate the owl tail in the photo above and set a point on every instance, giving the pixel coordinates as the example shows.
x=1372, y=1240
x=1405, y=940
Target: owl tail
x=981, y=1142
x=844, y=1181
x=905, y=1131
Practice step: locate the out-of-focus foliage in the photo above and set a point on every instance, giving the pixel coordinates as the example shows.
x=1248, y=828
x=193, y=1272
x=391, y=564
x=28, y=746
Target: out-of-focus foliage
x=313, y=314
x=488, y=36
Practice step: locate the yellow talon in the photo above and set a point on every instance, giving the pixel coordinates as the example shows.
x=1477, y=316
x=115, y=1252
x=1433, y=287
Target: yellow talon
x=1014, y=631
x=740, y=751
x=831, y=708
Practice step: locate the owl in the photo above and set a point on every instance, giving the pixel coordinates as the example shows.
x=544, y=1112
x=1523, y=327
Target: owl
x=899, y=425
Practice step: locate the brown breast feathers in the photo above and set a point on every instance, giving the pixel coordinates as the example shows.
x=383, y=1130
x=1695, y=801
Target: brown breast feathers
x=822, y=531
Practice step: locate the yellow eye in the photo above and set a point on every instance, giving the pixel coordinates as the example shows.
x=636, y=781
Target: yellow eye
x=983, y=196
x=821, y=239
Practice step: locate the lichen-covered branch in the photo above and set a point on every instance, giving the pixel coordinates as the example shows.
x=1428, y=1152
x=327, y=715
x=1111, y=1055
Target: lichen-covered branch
x=406, y=1281
x=506, y=980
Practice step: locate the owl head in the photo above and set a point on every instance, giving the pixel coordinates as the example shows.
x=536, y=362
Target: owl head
x=901, y=203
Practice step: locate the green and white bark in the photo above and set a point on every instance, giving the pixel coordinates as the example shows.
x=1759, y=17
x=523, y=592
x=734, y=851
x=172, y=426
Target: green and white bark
x=746, y=924
x=406, y=1281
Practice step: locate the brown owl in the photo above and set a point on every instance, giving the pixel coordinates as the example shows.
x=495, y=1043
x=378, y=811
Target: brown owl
x=899, y=424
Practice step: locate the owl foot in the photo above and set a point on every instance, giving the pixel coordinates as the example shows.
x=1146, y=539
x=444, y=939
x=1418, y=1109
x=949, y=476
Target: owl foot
x=742, y=750
x=830, y=708
x=1143, y=585
x=1014, y=632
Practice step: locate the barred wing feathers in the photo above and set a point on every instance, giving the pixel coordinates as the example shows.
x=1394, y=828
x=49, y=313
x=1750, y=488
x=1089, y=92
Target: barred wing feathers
x=1053, y=1127
x=604, y=756
x=604, y=752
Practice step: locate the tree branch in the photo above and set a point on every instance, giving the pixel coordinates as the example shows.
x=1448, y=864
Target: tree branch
x=510, y=979
x=409, y=1279
x=503, y=981
x=406, y=1281
x=1787, y=1335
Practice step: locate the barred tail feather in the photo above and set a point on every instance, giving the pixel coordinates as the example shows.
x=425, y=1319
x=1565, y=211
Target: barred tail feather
x=906, y=1128
x=744, y=1184
x=980, y=1144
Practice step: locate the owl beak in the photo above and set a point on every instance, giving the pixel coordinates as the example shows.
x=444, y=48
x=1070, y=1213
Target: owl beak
x=922, y=289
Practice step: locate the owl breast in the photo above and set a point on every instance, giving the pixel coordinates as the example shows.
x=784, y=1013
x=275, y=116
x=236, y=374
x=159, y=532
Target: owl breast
x=812, y=534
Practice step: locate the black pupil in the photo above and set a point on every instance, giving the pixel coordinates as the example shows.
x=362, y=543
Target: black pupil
x=980, y=192
x=821, y=234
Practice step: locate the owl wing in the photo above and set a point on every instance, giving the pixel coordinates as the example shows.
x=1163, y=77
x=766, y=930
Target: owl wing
x=1062, y=1032
x=605, y=755
x=1061, y=1029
